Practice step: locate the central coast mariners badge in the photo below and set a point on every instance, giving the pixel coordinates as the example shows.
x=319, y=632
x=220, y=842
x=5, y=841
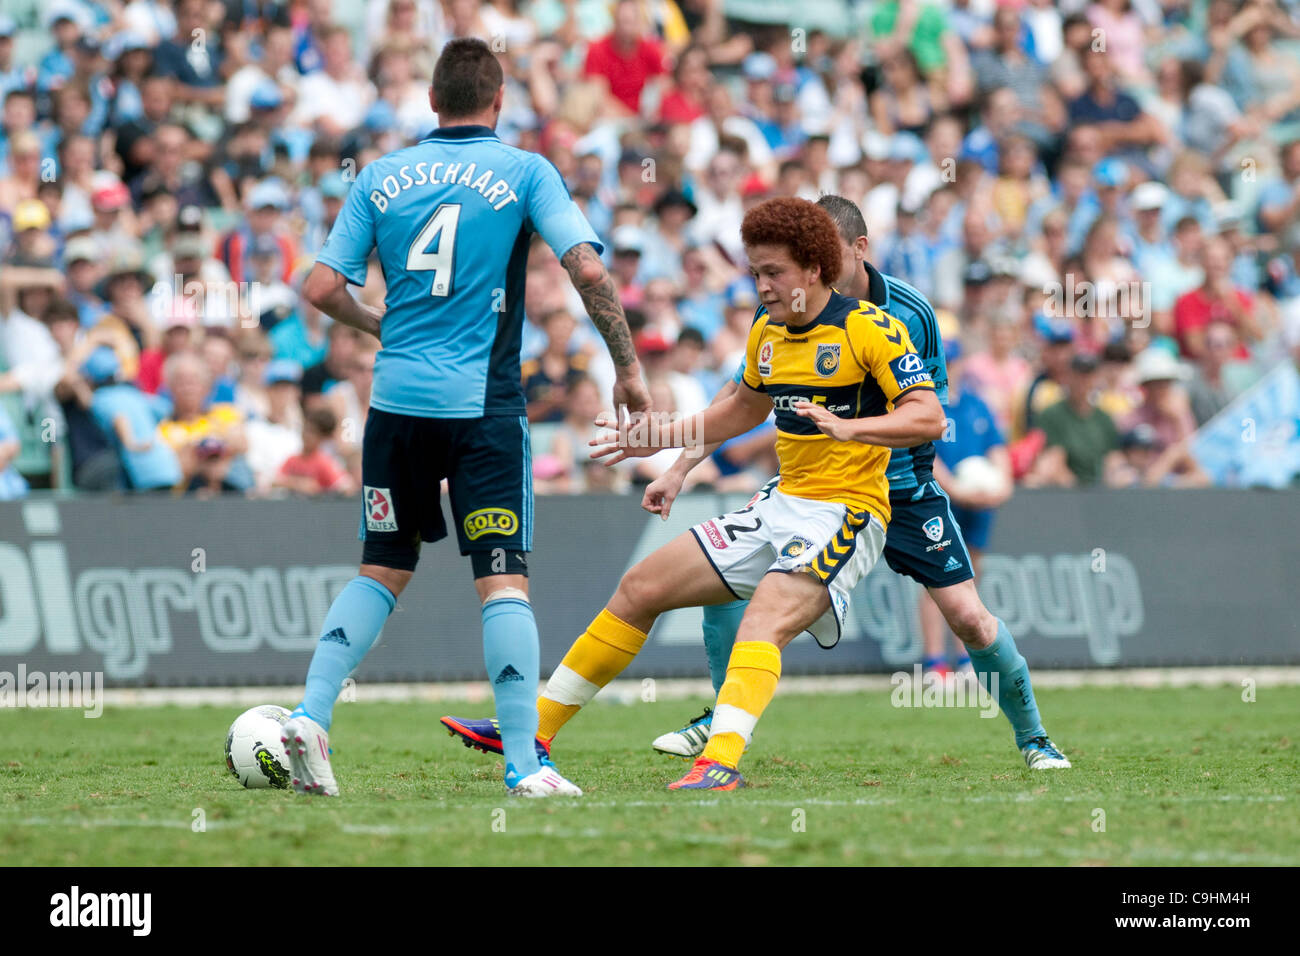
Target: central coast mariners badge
x=828, y=360
x=795, y=547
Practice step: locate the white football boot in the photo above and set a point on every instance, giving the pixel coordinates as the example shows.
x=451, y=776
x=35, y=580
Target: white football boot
x=546, y=782
x=689, y=741
x=308, y=747
x=1041, y=754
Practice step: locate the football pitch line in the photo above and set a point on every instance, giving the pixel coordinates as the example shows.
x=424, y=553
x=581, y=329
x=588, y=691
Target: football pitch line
x=905, y=849
x=698, y=802
x=634, y=690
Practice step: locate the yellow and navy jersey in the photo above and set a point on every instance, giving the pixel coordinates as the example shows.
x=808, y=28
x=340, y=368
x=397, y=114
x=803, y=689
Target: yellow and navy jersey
x=853, y=359
x=909, y=468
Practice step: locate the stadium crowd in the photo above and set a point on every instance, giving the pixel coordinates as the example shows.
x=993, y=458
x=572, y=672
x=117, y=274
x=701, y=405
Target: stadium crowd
x=1101, y=200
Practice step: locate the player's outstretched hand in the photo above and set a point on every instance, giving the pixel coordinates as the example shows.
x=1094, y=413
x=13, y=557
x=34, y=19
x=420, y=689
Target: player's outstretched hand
x=614, y=446
x=662, y=492
x=829, y=424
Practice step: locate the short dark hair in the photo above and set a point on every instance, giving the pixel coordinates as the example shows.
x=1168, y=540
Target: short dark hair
x=322, y=420
x=847, y=216
x=60, y=310
x=466, y=78
x=691, y=336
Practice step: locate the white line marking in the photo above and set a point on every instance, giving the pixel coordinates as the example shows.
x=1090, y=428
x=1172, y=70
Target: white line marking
x=630, y=691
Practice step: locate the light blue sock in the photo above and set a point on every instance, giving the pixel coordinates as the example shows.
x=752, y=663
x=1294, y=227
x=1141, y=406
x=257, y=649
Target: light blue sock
x=511, y=655
x=1015, y=693
x=721, y=622
x=351, y=627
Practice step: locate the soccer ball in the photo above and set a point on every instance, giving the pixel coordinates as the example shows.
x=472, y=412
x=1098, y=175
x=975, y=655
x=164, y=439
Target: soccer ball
x=254, y=753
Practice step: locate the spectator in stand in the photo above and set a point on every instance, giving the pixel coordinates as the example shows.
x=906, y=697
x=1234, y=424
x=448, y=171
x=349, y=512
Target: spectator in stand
x=1216, y=300
x=1081, y=440
x=85, y=271
x=1167, y=412
x=573, y=471
x=720, y=207
x=29, y=356
x=628, y=244
x=314, y=471
x=218, y=351
x=626, y=60
x=547, y=377
x=686, y=101
x=133, y=139
x=1220, y=376
x=273, y=439
x=208, y=438
x=662, y=257
x=93, y=459
x=195, y=65
x=334, y=99
x=127, y=415
x=275, y=66
x=129, y=315
x=684, y=373
x=1124, y=129
x=344, y=342
x=174, y=170
x=902, y=103
x=303, y=336
x=267, y=203
x=33, y=245
x=1123, y=31
x=1000, y=374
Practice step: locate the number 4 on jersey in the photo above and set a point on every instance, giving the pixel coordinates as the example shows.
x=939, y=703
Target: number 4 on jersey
x=442, y=226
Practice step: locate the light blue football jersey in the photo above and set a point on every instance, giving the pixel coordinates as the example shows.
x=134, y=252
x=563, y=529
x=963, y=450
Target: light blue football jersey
x=451, y=218
x=909, y=468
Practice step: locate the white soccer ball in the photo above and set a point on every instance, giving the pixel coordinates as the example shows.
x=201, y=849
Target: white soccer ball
x=254, y=753
x=979, y=474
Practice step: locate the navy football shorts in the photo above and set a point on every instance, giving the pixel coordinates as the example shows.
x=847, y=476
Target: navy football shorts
x=488, y=467
x=924, y=540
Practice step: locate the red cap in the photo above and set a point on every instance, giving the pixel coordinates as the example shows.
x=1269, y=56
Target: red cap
x=110, y=197
x=652, y=343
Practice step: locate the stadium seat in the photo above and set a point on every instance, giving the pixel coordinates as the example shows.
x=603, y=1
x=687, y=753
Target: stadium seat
x=34, y=461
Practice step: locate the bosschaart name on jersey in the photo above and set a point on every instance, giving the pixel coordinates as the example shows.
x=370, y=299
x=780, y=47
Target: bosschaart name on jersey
x=487, y=184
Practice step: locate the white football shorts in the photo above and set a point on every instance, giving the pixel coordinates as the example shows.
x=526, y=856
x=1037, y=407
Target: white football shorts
x=778, y=532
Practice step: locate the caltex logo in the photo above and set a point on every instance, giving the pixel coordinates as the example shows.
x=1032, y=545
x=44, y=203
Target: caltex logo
x=379, y=510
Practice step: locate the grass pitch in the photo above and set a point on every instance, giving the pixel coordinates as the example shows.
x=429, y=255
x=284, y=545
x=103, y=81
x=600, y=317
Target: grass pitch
x=1161, y=777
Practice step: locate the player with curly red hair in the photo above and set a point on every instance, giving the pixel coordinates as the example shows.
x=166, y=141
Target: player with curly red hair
x=846, y=386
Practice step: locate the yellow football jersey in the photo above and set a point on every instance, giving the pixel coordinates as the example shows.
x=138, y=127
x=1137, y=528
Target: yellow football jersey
x=853, y=359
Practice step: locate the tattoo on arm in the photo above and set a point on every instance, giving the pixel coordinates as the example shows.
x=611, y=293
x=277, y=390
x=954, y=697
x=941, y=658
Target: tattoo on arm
x=600, y=297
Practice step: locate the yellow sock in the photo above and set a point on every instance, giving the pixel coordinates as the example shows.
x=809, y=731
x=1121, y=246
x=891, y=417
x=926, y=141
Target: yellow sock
x=752, y=675
x=596, y=658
